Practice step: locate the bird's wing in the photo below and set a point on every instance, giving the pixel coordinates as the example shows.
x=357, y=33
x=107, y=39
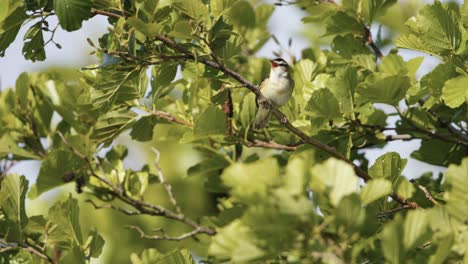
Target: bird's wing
x=261, y=86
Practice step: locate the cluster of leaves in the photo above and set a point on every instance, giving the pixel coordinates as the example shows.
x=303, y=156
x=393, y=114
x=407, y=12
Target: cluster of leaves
x=299, y=206
x=60, y=233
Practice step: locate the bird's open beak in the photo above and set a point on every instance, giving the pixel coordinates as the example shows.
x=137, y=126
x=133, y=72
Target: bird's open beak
x=273, y=63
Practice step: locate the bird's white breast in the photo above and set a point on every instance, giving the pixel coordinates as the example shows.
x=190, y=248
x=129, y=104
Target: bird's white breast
x=278, y=88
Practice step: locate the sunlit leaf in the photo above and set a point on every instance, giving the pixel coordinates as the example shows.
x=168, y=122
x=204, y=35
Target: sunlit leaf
x=13, y=190
x=455, y=91
x=375, y=189
x=457, y=190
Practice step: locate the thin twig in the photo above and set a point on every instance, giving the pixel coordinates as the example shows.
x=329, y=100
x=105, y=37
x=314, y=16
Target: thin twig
x=110, y=206
x=462, y=137
x=425, y=191
x=398, y=137
x=105, y=13
x=228, y=110
x=393, y=211
x=429, y=133
x=5, y=246
x=171, y=118
x=163, y=235
x=371, y=43
x=140, y=205
x=271, y=144
x=163, y=181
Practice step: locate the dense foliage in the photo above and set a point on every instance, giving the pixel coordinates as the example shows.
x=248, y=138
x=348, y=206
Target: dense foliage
x=183, y=73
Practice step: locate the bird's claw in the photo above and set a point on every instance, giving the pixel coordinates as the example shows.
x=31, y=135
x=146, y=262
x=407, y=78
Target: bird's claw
x=283, y=119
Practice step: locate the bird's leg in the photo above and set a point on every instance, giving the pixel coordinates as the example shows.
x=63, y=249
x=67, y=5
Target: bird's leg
x=265, y=103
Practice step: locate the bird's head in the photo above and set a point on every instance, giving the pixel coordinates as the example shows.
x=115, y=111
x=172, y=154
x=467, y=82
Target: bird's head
x=279, y=65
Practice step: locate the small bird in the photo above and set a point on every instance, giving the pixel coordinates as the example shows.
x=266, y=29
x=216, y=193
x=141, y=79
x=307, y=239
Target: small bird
x=277, y=88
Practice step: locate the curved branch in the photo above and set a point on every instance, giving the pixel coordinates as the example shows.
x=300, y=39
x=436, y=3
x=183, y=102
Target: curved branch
x=141, y=206
x=5, y=246
x=163, y=235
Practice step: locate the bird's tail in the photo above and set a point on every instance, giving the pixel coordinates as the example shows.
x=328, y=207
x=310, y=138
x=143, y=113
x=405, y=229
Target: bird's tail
x=262, y=118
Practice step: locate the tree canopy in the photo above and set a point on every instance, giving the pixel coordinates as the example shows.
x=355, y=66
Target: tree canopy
x=182, y=75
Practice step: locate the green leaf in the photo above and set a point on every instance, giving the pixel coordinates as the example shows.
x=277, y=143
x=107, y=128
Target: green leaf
x=148, y=29
x=248, y=110
x=95, y=245
x=162, y=75
x=116, y=84
x=218, y=7
x=33, y=48
x=350, y=214
x=439, y=153
x=251, y=181
x=65, y=230
x=235, y=241
x=403, y=187
x=59, y=162
x=375, y=189
x=194, y=9
x=22, y=89
x=242, y=14
x=388, y=90
x=435, y=80
x=464, y=14
x=9, y=145
x=143, y=128
x=393, y=64
x=392, y=244
x=343, y=86
x=71, y=13
x=211, y=122
x=13, y=190
x=415, y=226
x=263, y=13
x=389, y=165
x=318, y=12
x=375, y=8
x=323, y=104
x=341, y=23
x=211, y=165
x=456, y=193
x=136, y=183
x=182, y=29
x=151, y=255
x=336, y=176
x=349, y=45
x=111, y=124
x=455, y=91
x=10, y=27
x=435, y=30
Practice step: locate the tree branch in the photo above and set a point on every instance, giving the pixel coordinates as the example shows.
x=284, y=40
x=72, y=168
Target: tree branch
x=110, y=206
x=432, y=134
x=370, y=42
x=140, y=205
x=5, y=246
x=166, y=185
x=171, y=118
x=163, y=235
x=271, y=144
x=393, y=211
x=425, y=191
x=462, y=137
x=105, y=13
